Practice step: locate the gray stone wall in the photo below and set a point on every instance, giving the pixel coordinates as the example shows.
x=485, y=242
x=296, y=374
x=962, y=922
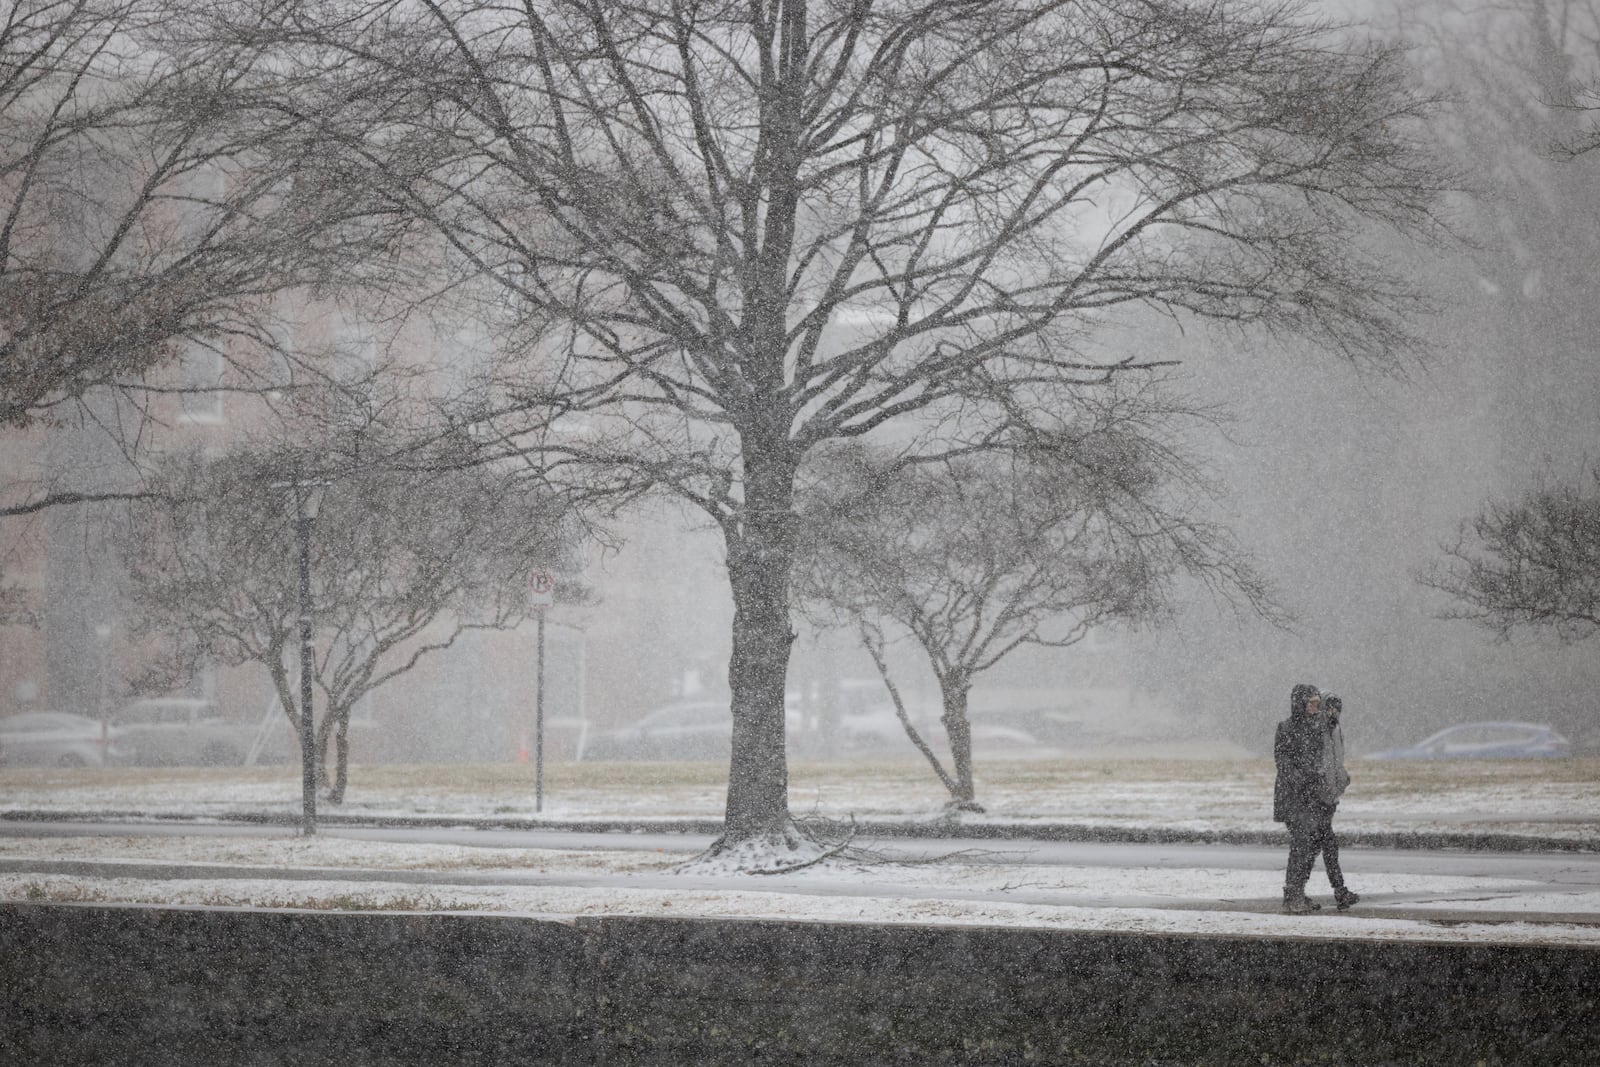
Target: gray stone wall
x=110, y=985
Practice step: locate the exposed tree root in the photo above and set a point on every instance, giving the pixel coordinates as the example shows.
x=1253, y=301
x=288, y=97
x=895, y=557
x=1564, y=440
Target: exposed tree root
x=793, y=848
x=812, y=840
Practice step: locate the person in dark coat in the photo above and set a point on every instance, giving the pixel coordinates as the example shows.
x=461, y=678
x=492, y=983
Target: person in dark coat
x=1300, y=797
x=1337, y=780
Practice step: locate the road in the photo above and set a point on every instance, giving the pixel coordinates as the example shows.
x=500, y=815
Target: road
x=1515, y=877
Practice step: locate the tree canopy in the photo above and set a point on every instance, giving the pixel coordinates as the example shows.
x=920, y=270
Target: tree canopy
x=976, y=556
x=144, y=210
x=402, y=563
x=722, y=234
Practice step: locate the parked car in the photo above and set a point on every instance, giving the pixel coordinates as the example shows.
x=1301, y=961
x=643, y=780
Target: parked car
x=854, y=717
x=1486, y=740
x=176, y=730
x=692, y=730
x=996, y=737
x=874, y=731
x=1029, y=726
x=58, y=739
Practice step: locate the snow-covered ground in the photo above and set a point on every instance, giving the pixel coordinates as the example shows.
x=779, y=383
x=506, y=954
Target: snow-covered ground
x=1555, y=800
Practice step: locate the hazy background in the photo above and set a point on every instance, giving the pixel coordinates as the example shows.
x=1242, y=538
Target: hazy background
x=1341, y=482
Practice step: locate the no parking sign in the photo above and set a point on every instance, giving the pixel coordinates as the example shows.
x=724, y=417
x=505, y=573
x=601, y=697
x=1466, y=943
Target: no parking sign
x=541, y=589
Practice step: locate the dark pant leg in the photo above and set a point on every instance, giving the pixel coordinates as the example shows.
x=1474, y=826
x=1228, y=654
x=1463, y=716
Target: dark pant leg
x=1329, y=845
x=1303, y=846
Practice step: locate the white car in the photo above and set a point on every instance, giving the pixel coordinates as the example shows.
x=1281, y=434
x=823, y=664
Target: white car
x=691, y=730
x=1486, y=740
x=179, y=730
x=58, y=739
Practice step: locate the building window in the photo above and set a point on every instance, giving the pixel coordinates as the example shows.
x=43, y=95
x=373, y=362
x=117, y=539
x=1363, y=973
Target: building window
x=355, y=351
x=201, y=191
x=202, y=684
x=280, y=370
x=200, y=378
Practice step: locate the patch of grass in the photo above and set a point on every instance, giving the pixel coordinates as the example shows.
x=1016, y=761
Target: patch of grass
x=62, y=893
x=342, y=902
x=111, y=777
x=1379, y=777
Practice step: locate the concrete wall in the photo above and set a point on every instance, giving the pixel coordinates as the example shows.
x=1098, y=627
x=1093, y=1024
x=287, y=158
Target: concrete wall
x=82, y=985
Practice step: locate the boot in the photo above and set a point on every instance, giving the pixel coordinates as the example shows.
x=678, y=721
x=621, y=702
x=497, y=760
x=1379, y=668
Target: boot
x=1295, y=902
x=1343, y=898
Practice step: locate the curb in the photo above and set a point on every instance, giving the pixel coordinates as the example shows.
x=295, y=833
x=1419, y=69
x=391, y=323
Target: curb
x=933, y=829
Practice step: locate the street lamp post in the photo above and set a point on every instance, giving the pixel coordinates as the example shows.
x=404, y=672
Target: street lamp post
x=103, y=632
x=541, y=594
x=307, y=501
x=538, y=727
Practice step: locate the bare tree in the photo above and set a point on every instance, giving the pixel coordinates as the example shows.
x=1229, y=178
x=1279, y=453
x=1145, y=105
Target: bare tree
x=1533, y=563
x=727, y=233
x=143, y=206
x=1565, y=44
x=403, y=563
x=977, y=556
x=1523, y=78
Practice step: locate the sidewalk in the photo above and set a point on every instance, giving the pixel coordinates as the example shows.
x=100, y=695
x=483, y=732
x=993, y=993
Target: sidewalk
x=1546, y=899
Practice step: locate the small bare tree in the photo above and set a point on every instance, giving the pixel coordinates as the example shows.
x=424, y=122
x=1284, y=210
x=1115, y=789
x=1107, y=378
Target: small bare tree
x=1525, y=80
x=729, y=233
x=1533, y=563
x=978, y=556
x=403, y=563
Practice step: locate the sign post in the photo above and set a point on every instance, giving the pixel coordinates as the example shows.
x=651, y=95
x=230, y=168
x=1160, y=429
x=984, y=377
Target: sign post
x=541, y=595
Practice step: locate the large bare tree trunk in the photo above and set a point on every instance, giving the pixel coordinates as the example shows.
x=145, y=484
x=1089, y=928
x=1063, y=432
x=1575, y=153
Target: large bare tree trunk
x=760, y=554
x=761, y=539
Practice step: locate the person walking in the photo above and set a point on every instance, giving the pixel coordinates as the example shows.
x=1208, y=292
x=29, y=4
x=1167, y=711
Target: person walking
x=1337, y=779
x=1300, y=792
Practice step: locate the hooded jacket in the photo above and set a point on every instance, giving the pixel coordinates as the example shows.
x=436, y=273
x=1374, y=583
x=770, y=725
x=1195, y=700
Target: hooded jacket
x=1300, y=791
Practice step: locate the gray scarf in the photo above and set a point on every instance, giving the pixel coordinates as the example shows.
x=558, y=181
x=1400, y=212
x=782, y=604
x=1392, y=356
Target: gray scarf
x=1333, y=773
